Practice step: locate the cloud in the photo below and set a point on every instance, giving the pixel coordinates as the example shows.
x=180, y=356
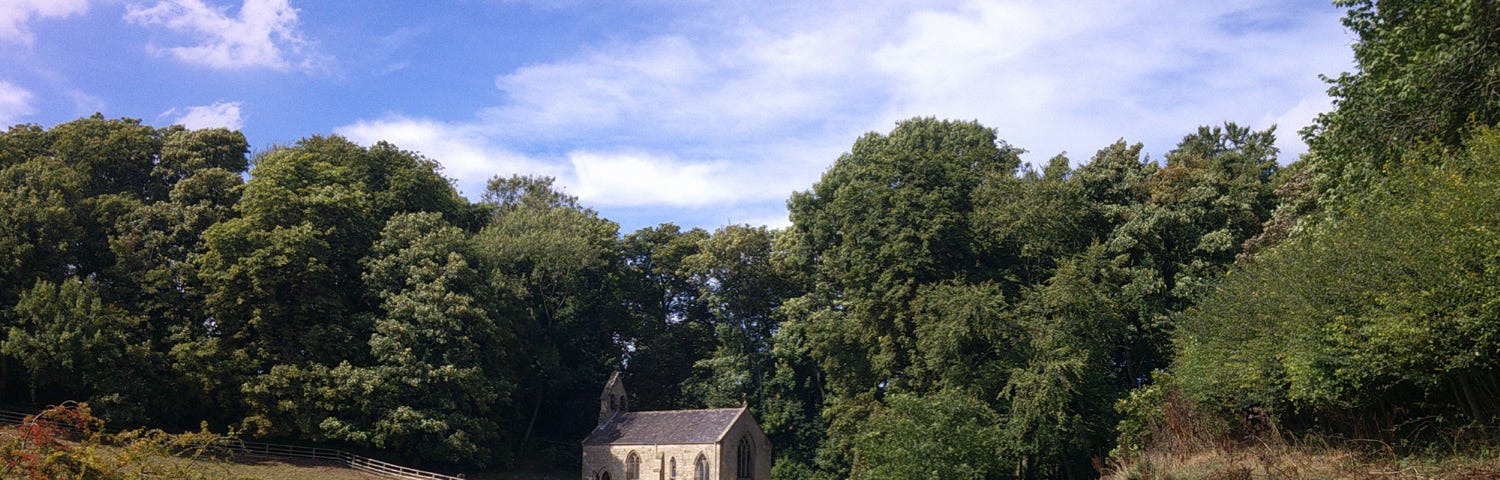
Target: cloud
x=468, y=157
x=1070, y=76
x=263, y=34
x=1288, y=140
x=744, y=83
x=85, y=104
x=730, y=108
x=15, y=102
x=14, y=14
x=220, y=114
x=633, y=179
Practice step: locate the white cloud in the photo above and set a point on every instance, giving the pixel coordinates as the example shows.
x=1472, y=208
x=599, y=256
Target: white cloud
x=1288, y=123
x=737, y=106
x=603, y=88
x=14, y=14
x=263, y=34
x=632, y=179
x=466, y=156
x=15, y=102
x=85, y=104
x=220, y=114
x=736, y=84
x=1070, y=76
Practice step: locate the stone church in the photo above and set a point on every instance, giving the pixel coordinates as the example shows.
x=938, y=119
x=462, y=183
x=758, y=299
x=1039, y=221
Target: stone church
x=709, y=444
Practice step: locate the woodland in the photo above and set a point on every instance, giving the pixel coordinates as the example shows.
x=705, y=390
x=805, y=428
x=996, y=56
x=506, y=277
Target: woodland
x=936, y=309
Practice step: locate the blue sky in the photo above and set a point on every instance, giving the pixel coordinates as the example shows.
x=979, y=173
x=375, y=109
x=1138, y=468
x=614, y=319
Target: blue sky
x=700, y=113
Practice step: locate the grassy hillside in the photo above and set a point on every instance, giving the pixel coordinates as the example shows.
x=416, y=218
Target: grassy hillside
x=1282, y=461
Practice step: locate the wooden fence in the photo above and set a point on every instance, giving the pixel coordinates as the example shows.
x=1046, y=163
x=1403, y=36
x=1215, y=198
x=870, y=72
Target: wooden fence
x=280, y=451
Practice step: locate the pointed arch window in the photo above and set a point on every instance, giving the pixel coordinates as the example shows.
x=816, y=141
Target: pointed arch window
x=633, y=467
x=700, y=468
x=674, y=467
x=745, y=456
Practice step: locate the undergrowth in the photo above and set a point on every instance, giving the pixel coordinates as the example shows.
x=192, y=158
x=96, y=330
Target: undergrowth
x=1166, y=435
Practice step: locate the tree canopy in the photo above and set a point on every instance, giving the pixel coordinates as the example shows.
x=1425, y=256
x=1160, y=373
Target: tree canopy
x=936, y=308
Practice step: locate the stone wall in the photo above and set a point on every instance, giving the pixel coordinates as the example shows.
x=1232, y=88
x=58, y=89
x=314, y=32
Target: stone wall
x=656, y=460
x=729, y=456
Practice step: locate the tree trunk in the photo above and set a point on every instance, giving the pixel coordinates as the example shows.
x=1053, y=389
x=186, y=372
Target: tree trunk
x=1474, y=409
x=535, y=411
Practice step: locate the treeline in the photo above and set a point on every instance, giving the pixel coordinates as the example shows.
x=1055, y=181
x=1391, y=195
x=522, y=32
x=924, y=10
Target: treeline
x=345, y=294
x=936, y=308
x=1378, y=315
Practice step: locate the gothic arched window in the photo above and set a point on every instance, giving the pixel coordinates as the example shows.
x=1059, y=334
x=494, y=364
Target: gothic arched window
x=633, y=467
x=674, y=467
x=700, y=468
x=745, y=467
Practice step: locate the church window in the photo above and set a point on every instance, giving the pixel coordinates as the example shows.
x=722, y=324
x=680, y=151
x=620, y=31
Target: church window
x=674, y=467
x=745, y=467
x=700, y=468
x=633, y=467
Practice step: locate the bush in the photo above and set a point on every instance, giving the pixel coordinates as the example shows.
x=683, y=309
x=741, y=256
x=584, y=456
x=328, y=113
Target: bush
x=1389, y=310
x=68, y=441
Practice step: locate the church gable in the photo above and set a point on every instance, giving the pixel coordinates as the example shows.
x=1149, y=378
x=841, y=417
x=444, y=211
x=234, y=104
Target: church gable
x=613, y=400
x=744, y=451
x=707, y=444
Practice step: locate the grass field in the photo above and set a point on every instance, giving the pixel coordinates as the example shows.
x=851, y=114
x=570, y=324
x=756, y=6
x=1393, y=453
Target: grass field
x=294, y=469
x=280, y=469
x=1309, y=463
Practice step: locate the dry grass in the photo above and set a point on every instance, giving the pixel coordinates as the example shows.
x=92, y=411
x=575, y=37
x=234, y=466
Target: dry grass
x=1299, y=462
x=521, y=476
x=282, y=469
x=1182, y=443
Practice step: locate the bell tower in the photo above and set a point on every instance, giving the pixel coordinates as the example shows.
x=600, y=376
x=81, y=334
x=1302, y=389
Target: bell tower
x=613, y=400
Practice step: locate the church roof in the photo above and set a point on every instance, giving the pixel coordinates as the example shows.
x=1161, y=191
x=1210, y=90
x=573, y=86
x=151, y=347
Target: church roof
x=665, y=427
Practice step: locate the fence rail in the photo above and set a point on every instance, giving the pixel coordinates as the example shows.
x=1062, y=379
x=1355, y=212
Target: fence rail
x=281, y=451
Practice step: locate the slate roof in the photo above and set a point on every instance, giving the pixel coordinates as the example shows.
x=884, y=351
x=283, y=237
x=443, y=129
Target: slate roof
x=665, y=427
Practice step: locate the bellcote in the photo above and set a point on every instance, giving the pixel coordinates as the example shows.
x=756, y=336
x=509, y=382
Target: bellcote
x=613, y=400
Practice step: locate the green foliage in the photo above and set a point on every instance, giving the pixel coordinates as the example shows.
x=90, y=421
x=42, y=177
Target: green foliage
x=1140, y=413
x=935, y=309
x=559, y=270
x=89, y=199
x=69, y=442
x=939, y=436
x=742, y=287
x=1076, y=340
x=185, y=152
x=1425, y=72
x=1046, y=295
x=1029, y=222
x=889, y=216
x=525, y=191
x=1161, y=418
x=965, y=339
x=39, y=228
x=68, y=338
x=436, y=379
x=282, y=275
x=672, y=329
x=115, y=156
x=1391, y=305
x=438, y=353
